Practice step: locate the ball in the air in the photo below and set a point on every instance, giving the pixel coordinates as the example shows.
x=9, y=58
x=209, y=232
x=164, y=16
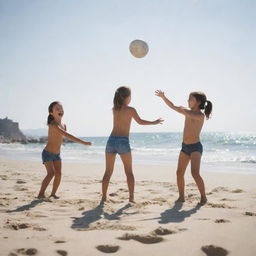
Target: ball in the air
x=138, y=48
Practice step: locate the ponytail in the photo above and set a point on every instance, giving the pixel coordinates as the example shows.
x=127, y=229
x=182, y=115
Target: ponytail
x=208, y=109
x=50, y=118
x=204, y=103
x=120, y=95
x=118, y=101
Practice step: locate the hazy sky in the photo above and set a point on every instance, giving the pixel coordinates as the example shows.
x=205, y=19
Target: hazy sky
x=77, y=52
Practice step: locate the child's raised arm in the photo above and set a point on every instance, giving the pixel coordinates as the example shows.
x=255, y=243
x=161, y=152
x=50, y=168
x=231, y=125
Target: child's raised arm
x=69, y=136
x=140, y=121
x=160, y=94
x=180, y=109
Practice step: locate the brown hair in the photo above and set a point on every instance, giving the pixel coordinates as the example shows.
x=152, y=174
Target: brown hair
x=50, y=118
x=120, y=95
x=204, y=103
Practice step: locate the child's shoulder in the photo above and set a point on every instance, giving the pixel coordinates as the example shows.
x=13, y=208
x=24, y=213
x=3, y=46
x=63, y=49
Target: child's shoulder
x=127, y=108
x=53, y=124
x=130, y=109
x=198, y=115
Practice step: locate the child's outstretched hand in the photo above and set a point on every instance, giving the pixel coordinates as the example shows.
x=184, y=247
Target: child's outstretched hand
x=159, y=93
x=159, y=121
x=87, y=143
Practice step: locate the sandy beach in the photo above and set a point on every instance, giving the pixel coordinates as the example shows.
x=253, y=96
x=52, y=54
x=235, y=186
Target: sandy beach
x=76, y=224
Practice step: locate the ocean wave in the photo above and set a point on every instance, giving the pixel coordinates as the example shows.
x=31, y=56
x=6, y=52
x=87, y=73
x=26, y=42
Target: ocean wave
x=157, y=147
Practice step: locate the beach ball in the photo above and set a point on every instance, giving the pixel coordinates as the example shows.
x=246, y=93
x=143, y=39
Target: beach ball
x=138, y=48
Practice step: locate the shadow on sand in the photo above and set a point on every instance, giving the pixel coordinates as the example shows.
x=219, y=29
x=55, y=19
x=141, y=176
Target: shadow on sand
x=175, y=214
x=96, y=214
x=32, y=204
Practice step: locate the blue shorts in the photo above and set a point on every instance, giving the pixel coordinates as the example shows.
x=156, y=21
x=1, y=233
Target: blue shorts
x=190, y=148
x=118, y=144
x=49, y=157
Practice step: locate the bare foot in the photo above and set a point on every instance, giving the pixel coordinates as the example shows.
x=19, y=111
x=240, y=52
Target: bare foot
x=203, y=200
x=131, y=200
x=103, y=200
x=180, y=200
x=54, y=196
x=41, y=196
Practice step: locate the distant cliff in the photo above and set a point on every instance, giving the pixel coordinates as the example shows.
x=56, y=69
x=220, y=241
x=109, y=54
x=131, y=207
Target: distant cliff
x=10, y=132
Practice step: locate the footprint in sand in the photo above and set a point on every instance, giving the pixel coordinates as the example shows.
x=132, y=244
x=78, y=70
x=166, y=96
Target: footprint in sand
x=203, y=218
x=220, y=189
x=113, y=194
x=212, y=250
x=30, y=251
x=21, y=182
x=163, y=231
x=108, y=248
x=15, y=226
x=12, y=254
x=39, y=228
x=221, y=221
x=59, y=242
x=227, y=199
x=145, y=239
x=250, y=214
x=3, y=177
x=123, y=190
x=213, y=205
x=62, y=252
x=237, y=191
x=18, y=188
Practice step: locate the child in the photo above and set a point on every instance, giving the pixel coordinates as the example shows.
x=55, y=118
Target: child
x=51, y=153
x=192, y=148
x=118, y=141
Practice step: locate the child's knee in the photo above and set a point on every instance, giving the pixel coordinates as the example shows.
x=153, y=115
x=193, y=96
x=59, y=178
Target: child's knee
x=129, y=174
x=106, y=176
x=57, y=173
x=50, y=175
x=195, y=175
x=179, y=173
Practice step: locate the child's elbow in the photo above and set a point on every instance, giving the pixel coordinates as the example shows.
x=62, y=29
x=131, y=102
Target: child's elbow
x=140, y=121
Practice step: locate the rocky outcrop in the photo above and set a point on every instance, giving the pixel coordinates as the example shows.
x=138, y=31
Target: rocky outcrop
x=10, y=132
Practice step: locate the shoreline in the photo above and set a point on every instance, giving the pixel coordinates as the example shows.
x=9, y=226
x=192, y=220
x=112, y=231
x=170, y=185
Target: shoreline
x=229, y=168
x=164, y=172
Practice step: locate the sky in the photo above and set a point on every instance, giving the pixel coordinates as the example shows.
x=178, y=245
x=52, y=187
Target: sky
x=77, y=52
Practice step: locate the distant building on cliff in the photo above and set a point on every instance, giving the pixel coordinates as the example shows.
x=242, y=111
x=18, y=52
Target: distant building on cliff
x=9, y=131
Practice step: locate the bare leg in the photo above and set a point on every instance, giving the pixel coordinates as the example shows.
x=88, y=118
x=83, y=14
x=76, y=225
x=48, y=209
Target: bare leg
x=127, y=161
x=50, y=173
x=110, y=161
x=57, y=178
x=182, y=165
x=195, y=169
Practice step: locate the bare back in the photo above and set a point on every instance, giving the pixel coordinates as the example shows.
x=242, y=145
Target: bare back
x=122, y=121
x=192, y=129
x=54, y=139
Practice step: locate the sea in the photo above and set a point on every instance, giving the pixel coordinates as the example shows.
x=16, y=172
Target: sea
x=223, y=151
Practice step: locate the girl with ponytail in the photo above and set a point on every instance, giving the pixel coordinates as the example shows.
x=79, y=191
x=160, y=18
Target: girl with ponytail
x=51, y=153
x=192, y=148
x=118, y=142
